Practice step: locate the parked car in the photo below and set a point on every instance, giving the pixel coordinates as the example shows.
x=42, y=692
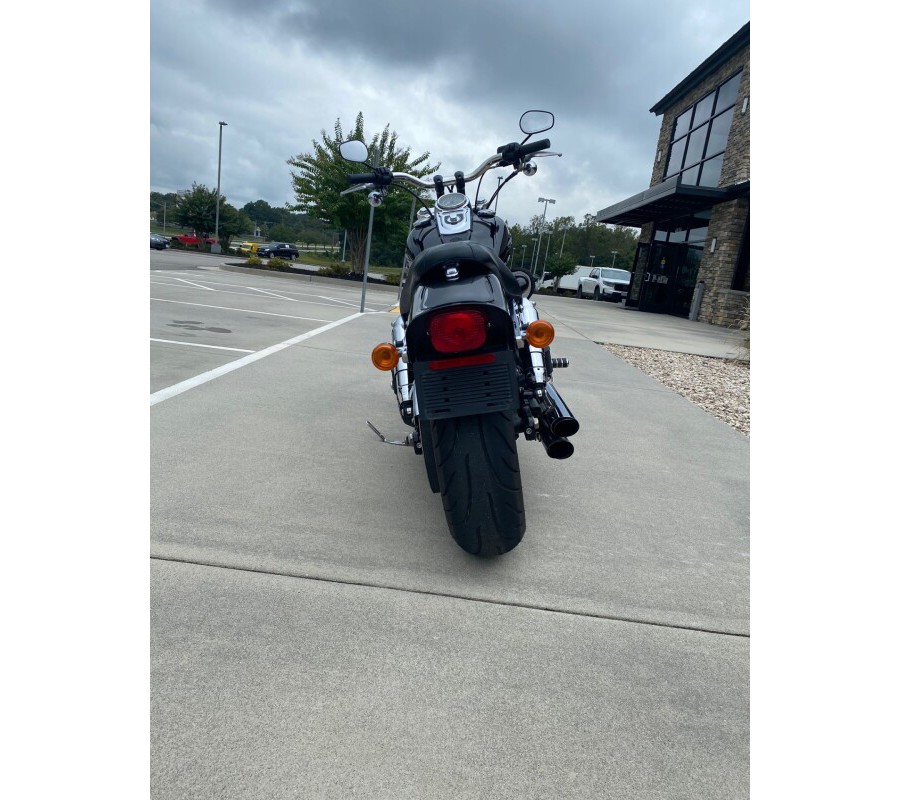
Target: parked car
x=158, y=242
x=278, y=250
x=606, y=283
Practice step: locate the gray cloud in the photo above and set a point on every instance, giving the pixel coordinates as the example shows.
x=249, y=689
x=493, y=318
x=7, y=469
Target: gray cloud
x=451, y=78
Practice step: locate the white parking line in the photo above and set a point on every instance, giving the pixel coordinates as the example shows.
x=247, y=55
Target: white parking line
x=197, y=344
x=198, y=285
x=265, y=291
x=247, y=294
x=242, y=310
x=178, y=388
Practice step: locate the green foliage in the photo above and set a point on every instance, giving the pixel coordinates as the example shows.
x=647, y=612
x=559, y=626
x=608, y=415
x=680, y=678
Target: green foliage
x=254, y=260
x=278, y=263
x=321, y=176
x=283, y=233
x=195, y=209
x=335, y=271
x=560, y=265
x=580, y=242
x=162, y=206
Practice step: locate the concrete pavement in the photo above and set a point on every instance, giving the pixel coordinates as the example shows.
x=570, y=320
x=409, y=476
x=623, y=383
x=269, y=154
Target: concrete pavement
x=317, y=633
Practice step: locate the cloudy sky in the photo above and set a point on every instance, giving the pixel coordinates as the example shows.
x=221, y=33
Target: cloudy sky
x=449, y=78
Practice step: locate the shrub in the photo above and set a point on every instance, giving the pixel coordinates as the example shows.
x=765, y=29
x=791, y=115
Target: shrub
x=254, y=260
x=393, y=280
x=335, y=271
x=278, y=263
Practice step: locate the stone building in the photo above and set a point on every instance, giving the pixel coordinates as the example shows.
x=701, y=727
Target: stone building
x=693, y=256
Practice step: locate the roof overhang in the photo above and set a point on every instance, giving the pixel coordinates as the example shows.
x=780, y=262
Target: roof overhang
x=667, y=200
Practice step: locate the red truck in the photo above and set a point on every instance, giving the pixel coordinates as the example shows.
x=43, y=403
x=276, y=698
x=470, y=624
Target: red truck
x=187, y=240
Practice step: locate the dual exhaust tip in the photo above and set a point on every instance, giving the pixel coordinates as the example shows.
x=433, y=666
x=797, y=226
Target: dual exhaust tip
x=557, y=423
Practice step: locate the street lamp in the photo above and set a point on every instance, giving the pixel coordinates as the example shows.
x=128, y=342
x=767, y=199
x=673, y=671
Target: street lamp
x=216, y=247
x=592, y=261
x=543, y=200
x=614, y=252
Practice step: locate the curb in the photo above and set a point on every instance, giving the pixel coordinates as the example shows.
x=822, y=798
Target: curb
x=311, y=277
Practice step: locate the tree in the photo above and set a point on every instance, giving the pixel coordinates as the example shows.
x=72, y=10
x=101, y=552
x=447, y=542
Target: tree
x=163, y=205
x=231, y=223
x=321, y=176
x=283, y=233
x=196, y=209
x=560, y=265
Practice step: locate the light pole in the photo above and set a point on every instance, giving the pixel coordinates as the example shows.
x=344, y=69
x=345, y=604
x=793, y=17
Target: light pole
x=565, y=231
x=614, y=252
x=546, y=253
x=543, y=200
x=216, y=247
x=592, y=261
x=524, y=248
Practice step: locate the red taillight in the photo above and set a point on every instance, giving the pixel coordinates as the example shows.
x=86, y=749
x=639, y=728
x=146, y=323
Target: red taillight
x=458, y=331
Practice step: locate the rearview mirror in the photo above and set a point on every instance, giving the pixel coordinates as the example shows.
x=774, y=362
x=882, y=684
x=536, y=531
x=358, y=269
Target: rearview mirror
x=536, y=121
x=354, y=150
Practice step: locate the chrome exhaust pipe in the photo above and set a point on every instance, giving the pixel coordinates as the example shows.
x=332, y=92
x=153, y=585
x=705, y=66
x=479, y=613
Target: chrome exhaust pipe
x=558, y=419
x=556, y=446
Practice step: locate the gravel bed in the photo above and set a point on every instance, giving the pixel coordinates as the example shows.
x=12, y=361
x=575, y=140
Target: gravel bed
x=719, y=386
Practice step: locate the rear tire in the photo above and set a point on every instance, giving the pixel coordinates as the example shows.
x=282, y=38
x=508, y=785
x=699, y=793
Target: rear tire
x=480, y=483
x=578, y=292
x=597, y=296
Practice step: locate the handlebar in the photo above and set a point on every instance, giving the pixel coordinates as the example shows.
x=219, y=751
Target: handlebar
x=534, y=147
x=386, y=177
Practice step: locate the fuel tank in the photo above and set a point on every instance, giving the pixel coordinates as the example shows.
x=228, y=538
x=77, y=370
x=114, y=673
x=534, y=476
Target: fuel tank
x=484, y=227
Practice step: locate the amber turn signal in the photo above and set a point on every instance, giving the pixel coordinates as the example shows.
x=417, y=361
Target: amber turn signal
x=539, y=333
x=385, y=357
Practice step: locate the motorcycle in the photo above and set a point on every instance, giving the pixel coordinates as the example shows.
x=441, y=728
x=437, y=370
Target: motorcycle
x=469, y=355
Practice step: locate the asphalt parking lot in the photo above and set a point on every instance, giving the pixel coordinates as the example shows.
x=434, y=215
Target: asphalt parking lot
x=315, y=632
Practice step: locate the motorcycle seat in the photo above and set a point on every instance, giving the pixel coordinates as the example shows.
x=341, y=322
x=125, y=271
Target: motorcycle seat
x=468, y=256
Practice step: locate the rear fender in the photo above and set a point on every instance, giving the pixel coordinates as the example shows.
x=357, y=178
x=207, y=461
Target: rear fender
x=481, y=291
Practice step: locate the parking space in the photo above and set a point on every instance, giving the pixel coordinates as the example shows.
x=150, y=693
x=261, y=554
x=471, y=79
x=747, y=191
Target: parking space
x=202, y=317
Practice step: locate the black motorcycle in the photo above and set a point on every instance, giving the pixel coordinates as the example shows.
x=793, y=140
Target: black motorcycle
x=469, y=356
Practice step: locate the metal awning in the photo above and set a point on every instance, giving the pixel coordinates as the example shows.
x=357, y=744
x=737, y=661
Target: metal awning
x=667, y=200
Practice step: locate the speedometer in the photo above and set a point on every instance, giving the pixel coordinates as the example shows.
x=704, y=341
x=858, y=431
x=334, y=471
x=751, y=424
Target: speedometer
x=452, y=201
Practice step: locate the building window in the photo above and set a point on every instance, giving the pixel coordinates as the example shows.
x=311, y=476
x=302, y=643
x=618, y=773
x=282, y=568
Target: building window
x=692, y=230
x=700, y=135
